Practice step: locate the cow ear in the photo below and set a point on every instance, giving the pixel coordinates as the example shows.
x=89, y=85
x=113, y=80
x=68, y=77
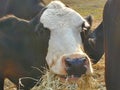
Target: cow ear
x=89, y=19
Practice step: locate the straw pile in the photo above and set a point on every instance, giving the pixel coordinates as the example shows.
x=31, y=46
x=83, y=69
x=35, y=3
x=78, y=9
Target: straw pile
x=50, y=81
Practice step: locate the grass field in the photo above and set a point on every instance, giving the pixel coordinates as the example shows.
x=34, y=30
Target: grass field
x=84, y=7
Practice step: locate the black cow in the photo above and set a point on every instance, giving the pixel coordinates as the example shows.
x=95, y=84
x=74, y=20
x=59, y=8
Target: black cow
x=111, y=23
x=93, y=43
x=110, y=33
x=26, y=9
x=28, y=44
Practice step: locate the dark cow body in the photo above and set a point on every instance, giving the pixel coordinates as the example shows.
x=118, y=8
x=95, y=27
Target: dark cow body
x=20, y=43
x=26, y=9
x=2, y=7
x=111, y=22
x=93, y=43
x=110, y=37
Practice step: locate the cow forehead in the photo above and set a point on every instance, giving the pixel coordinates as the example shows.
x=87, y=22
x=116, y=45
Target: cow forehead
x=57, y=15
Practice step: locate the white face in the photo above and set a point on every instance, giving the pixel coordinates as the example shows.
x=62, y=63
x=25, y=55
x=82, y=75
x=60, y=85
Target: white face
x=65, y=41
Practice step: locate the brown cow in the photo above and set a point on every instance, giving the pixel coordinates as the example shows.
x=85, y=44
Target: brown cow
x=111, y=23
x=26, y=9
x=110, y=31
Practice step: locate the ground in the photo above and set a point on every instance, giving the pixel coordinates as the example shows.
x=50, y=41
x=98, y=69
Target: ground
x=84, y=7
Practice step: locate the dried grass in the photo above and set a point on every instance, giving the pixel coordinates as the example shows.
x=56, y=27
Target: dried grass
x=93, y=81
x=50, y=81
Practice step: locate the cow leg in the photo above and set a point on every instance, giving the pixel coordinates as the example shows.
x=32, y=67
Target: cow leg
x=1, y=82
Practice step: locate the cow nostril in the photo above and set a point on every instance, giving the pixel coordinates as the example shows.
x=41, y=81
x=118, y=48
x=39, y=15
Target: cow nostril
x=75, y=62
x=68, y=62
x=80, y=61
x=84, y=59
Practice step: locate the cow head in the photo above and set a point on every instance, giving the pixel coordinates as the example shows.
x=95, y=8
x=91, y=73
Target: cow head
x=93, y=44
x=65, y=56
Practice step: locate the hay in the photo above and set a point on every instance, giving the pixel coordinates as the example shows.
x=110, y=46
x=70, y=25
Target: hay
x=49, y=81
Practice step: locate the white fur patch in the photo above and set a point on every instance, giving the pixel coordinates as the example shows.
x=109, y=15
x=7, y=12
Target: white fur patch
x=58, y=15
x=65, y=26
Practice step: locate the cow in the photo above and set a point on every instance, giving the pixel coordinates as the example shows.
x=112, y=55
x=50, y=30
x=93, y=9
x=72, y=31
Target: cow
x=94, y=43
x=26, y=9
x=50, y=39
x=111, y=23
x=110, y=33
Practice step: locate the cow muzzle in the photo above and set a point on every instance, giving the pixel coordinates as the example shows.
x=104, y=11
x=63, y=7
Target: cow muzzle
x=75, y=67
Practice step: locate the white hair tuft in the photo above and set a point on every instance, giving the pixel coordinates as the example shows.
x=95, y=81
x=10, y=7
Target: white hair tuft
x=56, y=5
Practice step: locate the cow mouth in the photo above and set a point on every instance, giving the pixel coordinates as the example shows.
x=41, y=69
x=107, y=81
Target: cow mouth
x=69, y=78
x=76, y=75
x=72, y=77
